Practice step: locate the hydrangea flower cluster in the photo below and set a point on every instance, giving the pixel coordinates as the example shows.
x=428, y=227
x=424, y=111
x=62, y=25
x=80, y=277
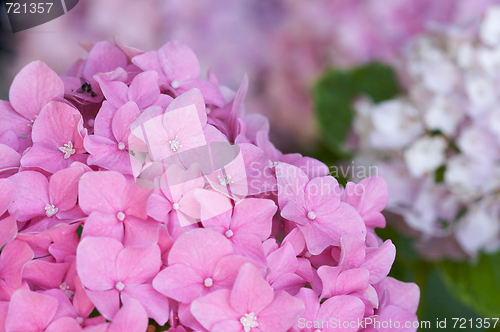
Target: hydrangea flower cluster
x=438, y=147
x=133, y=191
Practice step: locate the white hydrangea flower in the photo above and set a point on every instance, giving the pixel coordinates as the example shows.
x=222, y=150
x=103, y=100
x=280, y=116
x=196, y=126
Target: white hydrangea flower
x=425, y=155
x=439, y=146
x=395, y=124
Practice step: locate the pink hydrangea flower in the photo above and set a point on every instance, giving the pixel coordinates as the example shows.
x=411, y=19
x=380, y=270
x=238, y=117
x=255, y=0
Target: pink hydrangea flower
x=170, y=205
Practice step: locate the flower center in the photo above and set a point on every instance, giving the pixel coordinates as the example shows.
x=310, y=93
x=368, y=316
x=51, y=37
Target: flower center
x=67, y=149
x=120, y=286
x=121, y=146
x=229, y=233
x=175, y=84
x=175, y=206
x=249, y=321
x=225, y=180
x=120, y=216
x=79, y=320
x=50, y=210
x=209, y=282
x=307, y=254
x=175, y=144
x=65, y=288
x=311, y=215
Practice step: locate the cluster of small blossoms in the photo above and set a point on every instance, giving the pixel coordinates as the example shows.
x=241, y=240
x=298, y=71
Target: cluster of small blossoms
x=439, y=146
x=131, y=190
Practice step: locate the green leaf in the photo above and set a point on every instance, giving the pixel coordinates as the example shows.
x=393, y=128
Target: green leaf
x=335, y=92
x=475, y=284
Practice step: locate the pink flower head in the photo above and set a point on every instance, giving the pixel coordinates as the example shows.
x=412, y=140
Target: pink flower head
x=113, y=274
x=117, y=208
x=315, y=207
x=246, y=226
x=200, y=261
x=36, y=196
x=110, y=150
x=179, y=128
x=251, y=303
x=57, y=138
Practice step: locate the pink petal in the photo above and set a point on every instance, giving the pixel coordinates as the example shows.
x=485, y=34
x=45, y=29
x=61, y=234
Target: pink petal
x=101, y=191
x=66, y=324
x=45, y=274
x=10, y=158
x=122, y=120
x=135, y=199
x=102, y=125
x=226, y=271
x=210, y=91
x=251, y=293
x=281, y=261
x=254, y=216
x=55, y=125
x=179, y=282
x=131, y=318
x=34, y=86
x=353, y=252
x=150, y=61
x=352, y=280
x=8, y=229
x=311, y=301
x=103, y=225
x=200, y=249
x=213, y=308
x=107, y=302
x=156, y=304
x=140, y=233
x=191, y=97
x=13, y=257
x=281, y=314
x=249, y=245
x=6, y=193
x=296, y=239
x=397, y=314
x=105, y=153
x=344, y=308
x=114, y=91
x=137, y=265
x=30, y=311
x=144, y=89
x=95, y=262
x=403, y=294
x=228, y=326
x=31, y=195
x=379, y=261
x=103, y=57
x=178, y=61
x=63, y=187
x=12, y=121
x=159, y=207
